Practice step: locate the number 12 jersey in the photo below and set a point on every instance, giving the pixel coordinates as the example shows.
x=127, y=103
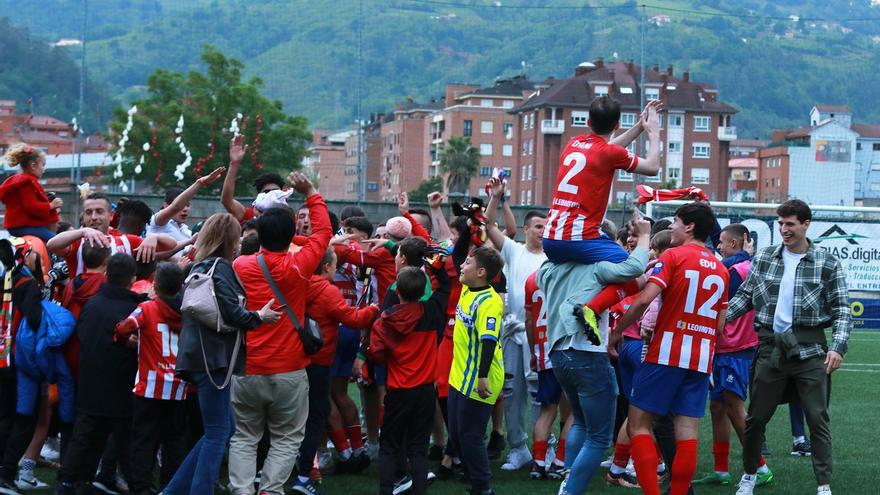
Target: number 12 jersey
x=694, y=284
x=586, y=171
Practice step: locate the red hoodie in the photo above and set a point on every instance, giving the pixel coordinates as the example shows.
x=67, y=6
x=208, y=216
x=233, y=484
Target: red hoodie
x=276, y=348
x=75, y=296
x=328, y=308
x=26, y=202
x=405, y=337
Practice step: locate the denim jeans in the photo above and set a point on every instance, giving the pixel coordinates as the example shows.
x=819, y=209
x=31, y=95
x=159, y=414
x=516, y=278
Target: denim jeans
x=591, y=387
x=201, y=468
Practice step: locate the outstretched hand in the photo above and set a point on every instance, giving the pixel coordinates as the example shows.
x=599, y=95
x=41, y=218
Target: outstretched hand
x=435, y=199
x=212, y=177
x=403, y=203
x=237, y=150
x=301, y=183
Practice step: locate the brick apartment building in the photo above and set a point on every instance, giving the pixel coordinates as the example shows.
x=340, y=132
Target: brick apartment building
x=832, y=161
x=404, y=141
x=696, y=129
x=326, y=159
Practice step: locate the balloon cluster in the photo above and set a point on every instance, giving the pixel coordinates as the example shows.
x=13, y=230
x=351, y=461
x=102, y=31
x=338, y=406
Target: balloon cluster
x=117, y=174
x=187, y=161
x=233, y=127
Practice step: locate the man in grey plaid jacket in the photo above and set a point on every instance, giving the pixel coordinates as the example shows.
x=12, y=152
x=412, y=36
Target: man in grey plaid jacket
x=797, y=291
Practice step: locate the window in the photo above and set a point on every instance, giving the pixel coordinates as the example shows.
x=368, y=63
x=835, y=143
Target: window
x=700, y=176
x=529, y=172
x=507, y=149
x=522, y=197
x=702, y=122
x=532, y=117
x=529, y=197
x=485, y=171
x=652, y=93
x=661, y=119
x=875, y=186
x=876, y=147
x=875, y=167
x=624, y=176
x=508, y=104
x=372, y=186
x=631, y=147
x=487, y=127
x=675, y=121
x=468, y=127
x=600, y=90
x=626, y=90
x=627, y=120
x=701, y=150
x=671, y=87
x=486, y=149
x=486, y=103
x=858, y=145
x=531, y=146
x=674, y=146
x=508, y=130
x=579, y=119
x=673, y=173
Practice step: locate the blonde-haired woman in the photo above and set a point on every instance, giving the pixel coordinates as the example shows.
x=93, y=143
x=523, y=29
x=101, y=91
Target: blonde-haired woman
x=208, y=359
x=29, y=211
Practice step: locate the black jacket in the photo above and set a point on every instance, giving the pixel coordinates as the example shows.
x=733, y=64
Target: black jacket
x=218, y=347
x=106, y=369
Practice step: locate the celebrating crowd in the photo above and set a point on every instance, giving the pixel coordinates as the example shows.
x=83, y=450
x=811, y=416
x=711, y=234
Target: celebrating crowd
x=162, y=355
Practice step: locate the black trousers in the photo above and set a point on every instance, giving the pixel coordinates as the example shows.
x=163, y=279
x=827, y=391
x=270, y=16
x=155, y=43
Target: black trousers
x=468, y=420
x=89, y=438
x=156, y=423
x=406, y=435
x=19, y=429
x=319, y=411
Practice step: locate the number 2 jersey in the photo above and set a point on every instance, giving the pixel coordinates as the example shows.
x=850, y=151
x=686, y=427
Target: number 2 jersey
x=583, y=183
x=694, y=284
x=157, y=323
x=536, y=305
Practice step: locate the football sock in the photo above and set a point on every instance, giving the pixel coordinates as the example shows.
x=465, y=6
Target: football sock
x=721, y=452
x=645, y=459
x=539, y=447
x=684, y=466
x=340, y=442
x=612, y=295
x=355, y=436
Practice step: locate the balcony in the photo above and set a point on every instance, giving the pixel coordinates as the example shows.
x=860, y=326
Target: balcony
x=552, y=126
x=726, y=133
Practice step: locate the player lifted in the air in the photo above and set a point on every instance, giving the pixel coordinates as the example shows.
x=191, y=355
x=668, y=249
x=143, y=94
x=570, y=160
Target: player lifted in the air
x=587, y=167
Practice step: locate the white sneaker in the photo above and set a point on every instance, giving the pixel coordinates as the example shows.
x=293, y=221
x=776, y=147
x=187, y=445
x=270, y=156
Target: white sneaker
x=562, y=490
x=372, y=450
x=823, y=490
x=325, y=460
x=517, y=459
x=49, y=452
x=26, y=478
x=747, y=484
x=607, y=462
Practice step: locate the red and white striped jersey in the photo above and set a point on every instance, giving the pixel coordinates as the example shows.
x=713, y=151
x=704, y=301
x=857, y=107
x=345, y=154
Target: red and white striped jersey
x=535, y=305
x=158, y=327
x=122, y=243
x=694, y=284
x=586, y=172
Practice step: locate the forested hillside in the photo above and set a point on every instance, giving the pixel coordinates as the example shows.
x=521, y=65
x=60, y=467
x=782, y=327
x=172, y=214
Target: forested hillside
x=771, y=59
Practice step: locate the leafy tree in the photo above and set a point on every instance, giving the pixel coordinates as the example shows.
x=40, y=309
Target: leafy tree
x=208, y=103
x=459, y=161
x=426, y=187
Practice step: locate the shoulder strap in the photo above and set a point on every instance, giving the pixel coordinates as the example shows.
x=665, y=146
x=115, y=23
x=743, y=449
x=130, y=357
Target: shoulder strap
x=277, y=292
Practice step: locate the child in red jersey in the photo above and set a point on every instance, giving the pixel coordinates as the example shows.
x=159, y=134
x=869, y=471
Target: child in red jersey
x=159, y=407
x=29, y=211
x=674, y=377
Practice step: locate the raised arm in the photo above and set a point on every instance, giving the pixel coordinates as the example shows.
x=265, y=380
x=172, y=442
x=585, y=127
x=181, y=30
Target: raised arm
x=309, y=257
x=417, y=229
x=237, y=150
x=496, y=187
x=184, y=198
x=438, y=221
x=650, y=123
x=635, y=264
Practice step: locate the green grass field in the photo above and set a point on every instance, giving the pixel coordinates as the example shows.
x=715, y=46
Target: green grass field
x=856, y=445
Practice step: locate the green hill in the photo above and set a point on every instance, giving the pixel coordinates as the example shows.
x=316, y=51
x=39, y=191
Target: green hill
x=769, y=65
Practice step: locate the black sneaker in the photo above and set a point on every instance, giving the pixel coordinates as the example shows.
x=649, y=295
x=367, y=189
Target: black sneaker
x=403, y=485
x=435, y=453
x=445, y=473
x=8, y=487
x=556, y=472
x=538, y=472
x=361, y=462
x=495, y=446
x=802, y=449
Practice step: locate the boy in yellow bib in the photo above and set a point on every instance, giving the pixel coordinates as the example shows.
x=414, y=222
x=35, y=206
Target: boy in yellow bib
x=477, y=373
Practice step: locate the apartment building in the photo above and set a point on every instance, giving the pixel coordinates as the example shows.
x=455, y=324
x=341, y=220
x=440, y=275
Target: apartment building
x=696, y=129
x=326, y=160
x=404, y=143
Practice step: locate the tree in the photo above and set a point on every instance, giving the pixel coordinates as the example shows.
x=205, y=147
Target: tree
x=459, y=161
x=208, y=102
x=426, y=187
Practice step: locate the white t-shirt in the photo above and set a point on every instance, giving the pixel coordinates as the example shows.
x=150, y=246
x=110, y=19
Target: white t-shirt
x=782, y=318
x=519, y=264
x=180, y=232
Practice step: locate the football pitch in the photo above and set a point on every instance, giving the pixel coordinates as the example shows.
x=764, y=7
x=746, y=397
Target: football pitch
x=854, y=400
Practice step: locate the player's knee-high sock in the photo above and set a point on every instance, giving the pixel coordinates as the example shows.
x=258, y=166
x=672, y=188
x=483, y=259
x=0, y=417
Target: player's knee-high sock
x=721, y=452
x=612, y=295
x=684, y=466
x=645, y=460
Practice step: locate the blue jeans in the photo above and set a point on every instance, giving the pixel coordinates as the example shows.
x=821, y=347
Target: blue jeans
x=41, y=232
x=201, y=468
x=591, y=387
x=587, y=252
x=796, y=414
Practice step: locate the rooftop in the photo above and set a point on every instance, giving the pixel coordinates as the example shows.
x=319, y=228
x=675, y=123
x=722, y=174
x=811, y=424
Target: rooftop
x=833, y=108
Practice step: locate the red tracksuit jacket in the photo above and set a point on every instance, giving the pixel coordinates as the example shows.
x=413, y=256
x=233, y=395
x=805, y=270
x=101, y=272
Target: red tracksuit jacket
x=26, y=202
